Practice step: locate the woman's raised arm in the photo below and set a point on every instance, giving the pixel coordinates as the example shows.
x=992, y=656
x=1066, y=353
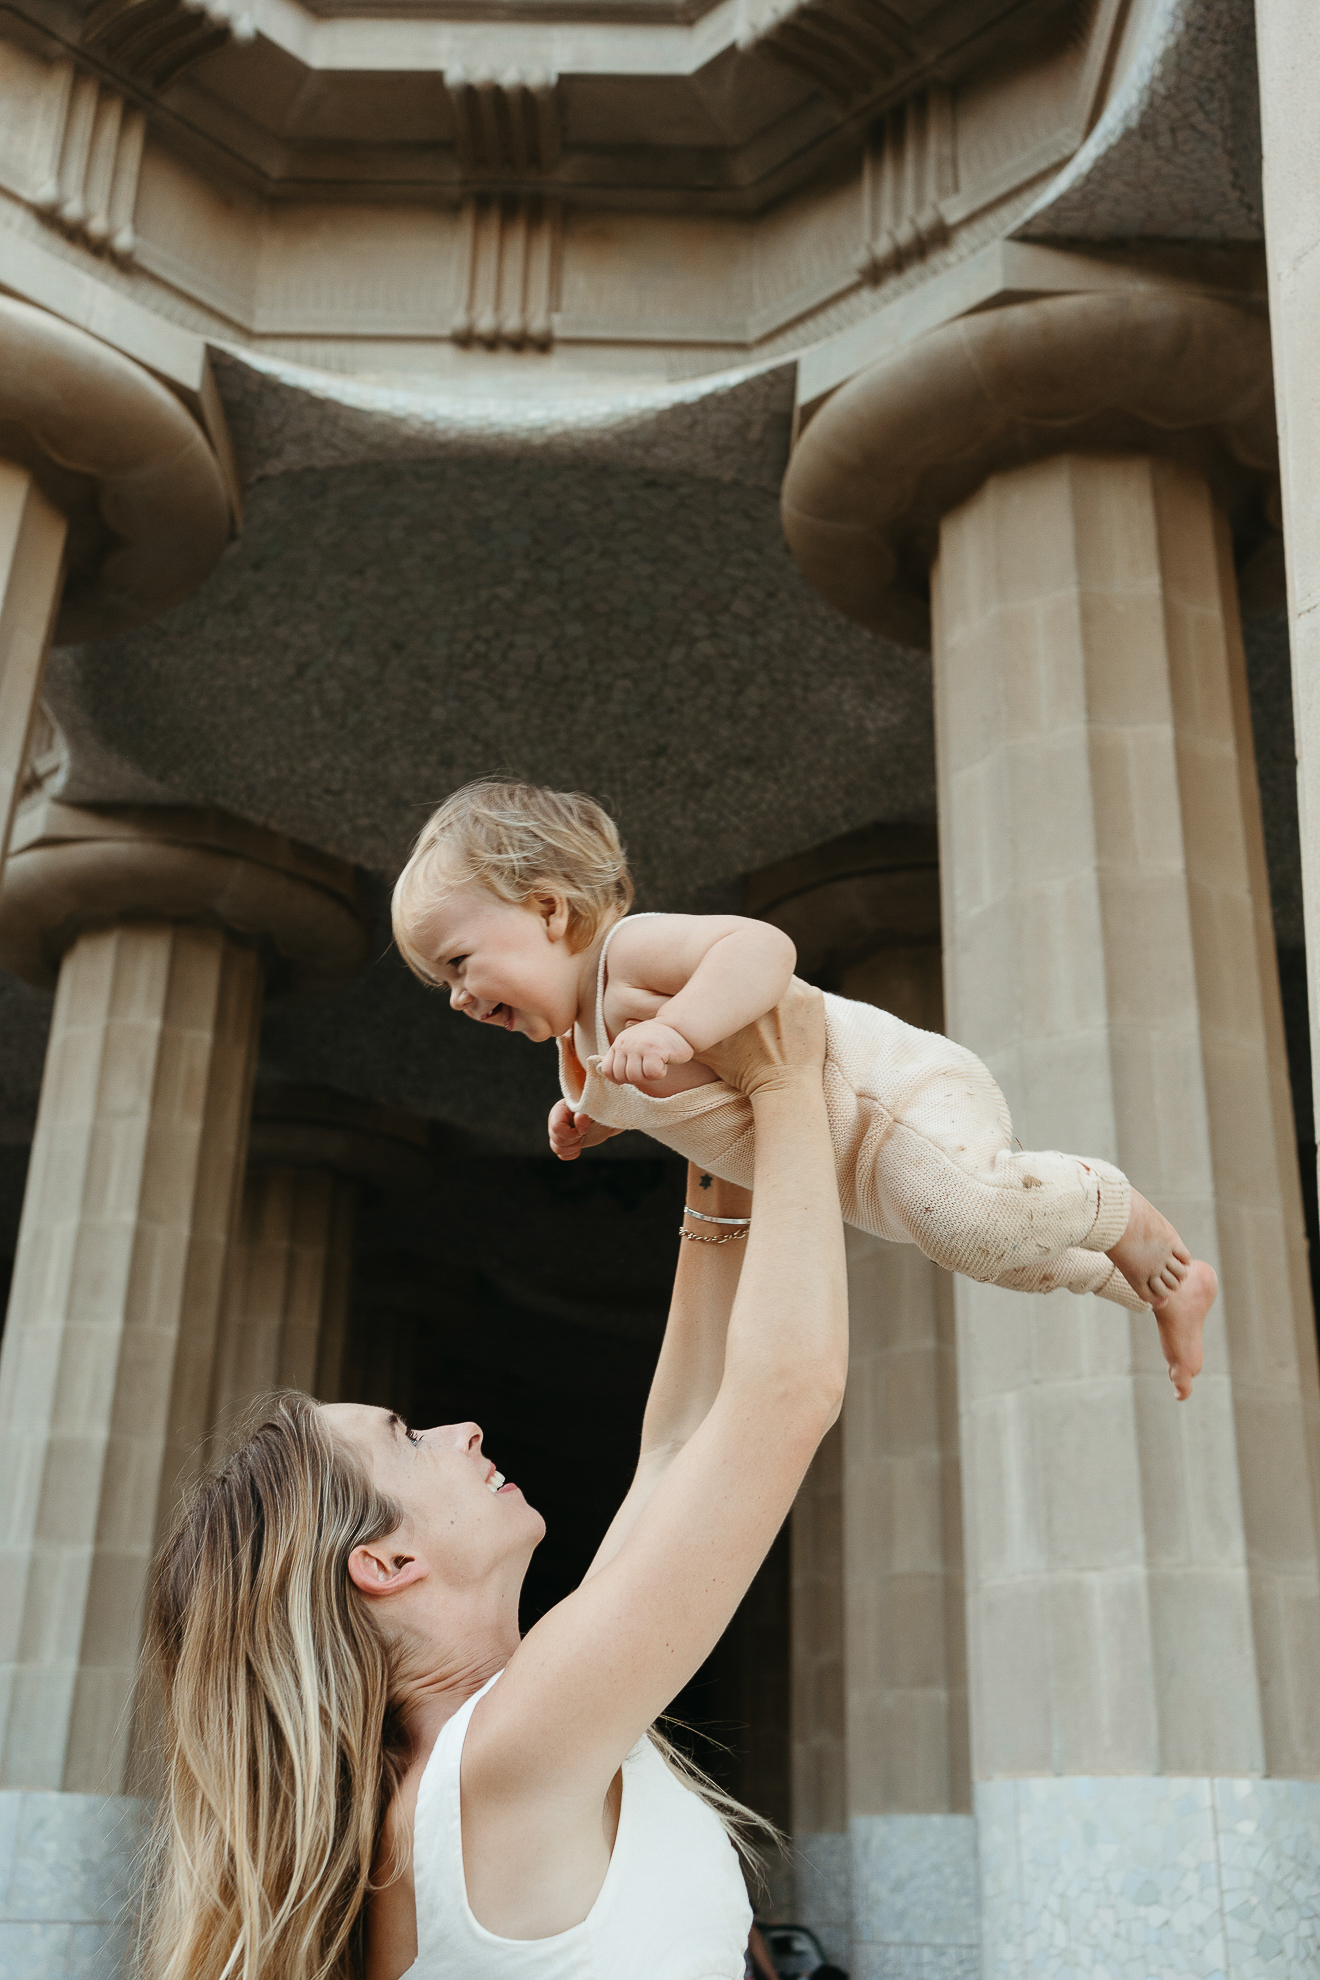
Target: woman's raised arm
x=593, y=1674
x=691, y=1362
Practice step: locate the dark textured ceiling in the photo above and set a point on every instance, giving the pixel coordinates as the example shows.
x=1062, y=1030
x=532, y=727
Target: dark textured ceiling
x=606, y=604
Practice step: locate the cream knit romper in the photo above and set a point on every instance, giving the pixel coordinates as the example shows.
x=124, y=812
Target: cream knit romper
x=923, y=1149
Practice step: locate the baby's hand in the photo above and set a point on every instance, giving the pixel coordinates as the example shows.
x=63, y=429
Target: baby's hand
x=570, y=1133
x=644, y=1051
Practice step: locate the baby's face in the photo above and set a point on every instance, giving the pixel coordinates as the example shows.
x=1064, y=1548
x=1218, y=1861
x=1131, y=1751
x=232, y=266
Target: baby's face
x=507, y=966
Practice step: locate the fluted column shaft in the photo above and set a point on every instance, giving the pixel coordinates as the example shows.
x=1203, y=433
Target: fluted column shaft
x=1143, y=1578
x=105, y=1378
x=286, y=1303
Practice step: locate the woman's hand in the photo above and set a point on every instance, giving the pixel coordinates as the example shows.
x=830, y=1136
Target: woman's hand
x=779, y=1048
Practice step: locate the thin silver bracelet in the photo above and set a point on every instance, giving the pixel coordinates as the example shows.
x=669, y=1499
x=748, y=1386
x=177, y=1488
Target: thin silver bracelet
x=688, y=1211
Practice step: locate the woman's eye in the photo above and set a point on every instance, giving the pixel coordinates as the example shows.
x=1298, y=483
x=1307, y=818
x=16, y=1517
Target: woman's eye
x=413, y=1436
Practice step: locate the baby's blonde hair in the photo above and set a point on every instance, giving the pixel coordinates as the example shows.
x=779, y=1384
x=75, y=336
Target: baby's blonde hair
x=515, y=840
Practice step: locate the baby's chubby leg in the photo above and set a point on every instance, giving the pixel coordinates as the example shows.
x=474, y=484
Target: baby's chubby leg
x=1181, y=1289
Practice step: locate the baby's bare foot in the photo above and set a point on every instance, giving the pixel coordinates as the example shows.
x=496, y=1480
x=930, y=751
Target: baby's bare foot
x=1150, y=1254
x=1181, y=1318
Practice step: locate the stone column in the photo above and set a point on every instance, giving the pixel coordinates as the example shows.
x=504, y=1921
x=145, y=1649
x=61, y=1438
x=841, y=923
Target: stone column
x=112, y=507
x=912, y=1844
x=1288, y=52
x=819, y=1755
x=158, y=930
x=882, y=1792
x=1143, y=1580
x=285, y=1318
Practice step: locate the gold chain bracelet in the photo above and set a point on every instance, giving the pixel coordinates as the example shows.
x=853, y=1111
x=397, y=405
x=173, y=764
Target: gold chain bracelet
x=699, y=1237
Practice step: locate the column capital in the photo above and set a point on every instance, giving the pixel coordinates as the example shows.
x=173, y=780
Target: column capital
x=122, y=458
x=71, y=870
x=316, y=1127
x=877, y=888
x=906, y=441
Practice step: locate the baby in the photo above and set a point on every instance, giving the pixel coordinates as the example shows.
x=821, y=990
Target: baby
x=515, y=899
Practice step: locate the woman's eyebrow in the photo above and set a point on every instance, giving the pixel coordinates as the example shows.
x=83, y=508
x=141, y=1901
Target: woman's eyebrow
x=397, y=1425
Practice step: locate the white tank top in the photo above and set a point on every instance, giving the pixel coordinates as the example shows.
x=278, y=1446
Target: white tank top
x=673, y=1905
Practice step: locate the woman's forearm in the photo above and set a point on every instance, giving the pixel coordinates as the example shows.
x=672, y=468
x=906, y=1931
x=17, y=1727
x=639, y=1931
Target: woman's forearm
x=691, y=1362
x=690, y=1366
x=788, y=1332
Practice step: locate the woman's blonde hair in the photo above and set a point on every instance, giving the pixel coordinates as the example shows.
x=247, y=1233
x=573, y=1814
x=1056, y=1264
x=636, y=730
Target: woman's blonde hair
x=276, y=1706
x=277, y=1723
x=515, y=840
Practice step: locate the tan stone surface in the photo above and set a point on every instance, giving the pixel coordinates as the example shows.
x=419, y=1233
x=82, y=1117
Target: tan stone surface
x=104, y=1380
x=32, y=535
x=1137, y=1571
x=891, y=452
x=117, y=452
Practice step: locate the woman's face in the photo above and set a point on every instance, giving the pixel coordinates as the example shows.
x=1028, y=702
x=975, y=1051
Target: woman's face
x=463, y=1522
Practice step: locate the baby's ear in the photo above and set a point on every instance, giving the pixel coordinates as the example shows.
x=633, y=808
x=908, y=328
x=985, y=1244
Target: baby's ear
x=555, y=914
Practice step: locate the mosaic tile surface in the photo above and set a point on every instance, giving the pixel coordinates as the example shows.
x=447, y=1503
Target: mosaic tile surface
x=1150, y=1879
x=1176, y=154
x=67, y=1867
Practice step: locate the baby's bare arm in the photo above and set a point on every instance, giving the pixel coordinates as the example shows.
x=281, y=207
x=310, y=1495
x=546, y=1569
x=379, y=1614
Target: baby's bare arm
x=716, y=972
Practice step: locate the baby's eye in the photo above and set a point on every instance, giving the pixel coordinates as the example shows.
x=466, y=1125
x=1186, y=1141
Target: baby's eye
x=456, y=962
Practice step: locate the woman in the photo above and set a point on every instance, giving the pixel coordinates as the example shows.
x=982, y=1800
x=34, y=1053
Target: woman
x=350, y=1789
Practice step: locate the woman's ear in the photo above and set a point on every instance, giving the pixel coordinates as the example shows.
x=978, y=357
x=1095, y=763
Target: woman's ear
x=378, y=1569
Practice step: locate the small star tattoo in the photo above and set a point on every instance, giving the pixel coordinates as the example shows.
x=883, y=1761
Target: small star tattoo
x=705, y=1182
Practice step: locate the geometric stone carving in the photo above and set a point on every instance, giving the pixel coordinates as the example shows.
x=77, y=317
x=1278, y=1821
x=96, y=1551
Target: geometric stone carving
x=846, y=46
x=911, y=165
x=154, y=41
x=96, y=152
x=505, y=123
x=512, y=287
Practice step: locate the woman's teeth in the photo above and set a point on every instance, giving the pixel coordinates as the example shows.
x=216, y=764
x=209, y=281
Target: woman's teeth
x=495, y=1480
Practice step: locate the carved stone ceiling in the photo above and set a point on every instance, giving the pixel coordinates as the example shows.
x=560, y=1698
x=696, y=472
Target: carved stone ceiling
x=669, y=101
